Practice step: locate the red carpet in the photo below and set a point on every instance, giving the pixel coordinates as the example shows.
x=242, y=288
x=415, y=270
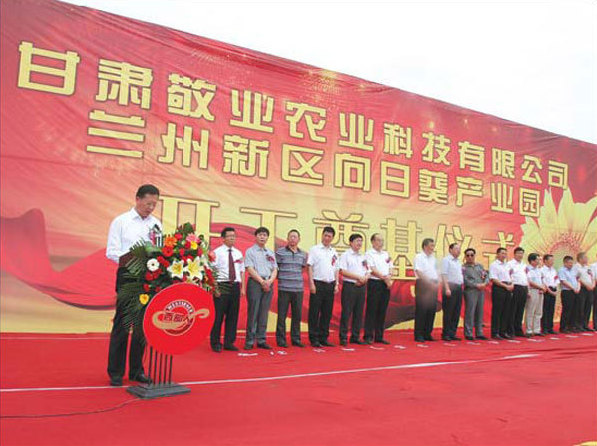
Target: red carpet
x=525, y=393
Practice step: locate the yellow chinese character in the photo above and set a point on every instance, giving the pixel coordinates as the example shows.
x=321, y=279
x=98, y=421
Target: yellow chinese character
x=67, y=73
x=355, y=133
x=445, y=238
x=502, y=163
x=352, y=171
x=436, y=149
x=433, y=186
x=501, y=197
x=269, y=219
x=314, y=117
x=344, y=227
x=124, y=82
x=468, y=186
x=387, y=179
x=530, y=164
x=257, y=108
x=471, y=156
x=131, y=121
x=504, y=240
x=397, y=140
x=528, y=202
x=297, y=168
x=557, y=174
x=401, y=243
x=186, y=144
x=247, y=157
x=173, y=214
x=188, y=97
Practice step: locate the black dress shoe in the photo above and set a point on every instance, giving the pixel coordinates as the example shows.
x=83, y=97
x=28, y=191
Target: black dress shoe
x=358, y=342
x=327, y=344
x=282, y=344
x=343, y=342
x=446, y=338
x=248, y=347
x=231, y=348
x=506, y=336
x=429, y=338
x=217, y=348
x=298, y=344
x=264, y=346
x=455, y=338
x=528, y=335
x=539, y=334
x=141, y=378
x=383, y=341
x=496, y=336
x=419, y=339
x=552, y=332
x=519, y=334
x=316, y=344
x=116, y=382
x=469, y=338
x=482, y=338
x=368, y=341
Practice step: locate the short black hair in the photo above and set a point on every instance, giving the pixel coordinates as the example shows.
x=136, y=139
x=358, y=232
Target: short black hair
x=227, y=229
x=294, y=230
x=467, y=250
x=546, y=257
x=329, y=229
x=373, y=236
x=566, y=258
x=518, y=249
x=500, y=249
x=354, y=237
x=533, y=256
x=452, y=245
x=261, y=229
x=580, y=255
x=147, y=189
x=426, y=241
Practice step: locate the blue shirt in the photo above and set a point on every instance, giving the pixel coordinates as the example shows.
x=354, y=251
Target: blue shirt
x=569, y=275
x=263, y=260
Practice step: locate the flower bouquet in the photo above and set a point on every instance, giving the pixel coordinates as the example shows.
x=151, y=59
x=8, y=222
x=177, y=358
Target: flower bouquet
x=164, y=260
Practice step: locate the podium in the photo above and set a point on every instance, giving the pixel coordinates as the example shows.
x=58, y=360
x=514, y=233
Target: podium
x=176, y=320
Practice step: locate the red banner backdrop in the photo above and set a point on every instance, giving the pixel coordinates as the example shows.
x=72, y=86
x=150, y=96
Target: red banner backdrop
x=93, y=105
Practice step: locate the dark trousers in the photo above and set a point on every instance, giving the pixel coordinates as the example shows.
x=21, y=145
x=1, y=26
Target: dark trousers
x=226, y=307
x=425, y=307
x=378, y=297
x=353, y=302
x=294, y=299
x=501, y=310
x=119, y=341
x=519, y=295
x=549, y=305
x=581, y=307
x=567, y=317
x=588, y=307
x=451, y=306
x=321, y=305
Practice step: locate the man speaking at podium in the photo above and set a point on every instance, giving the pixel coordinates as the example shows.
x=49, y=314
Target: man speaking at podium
x=126, y=230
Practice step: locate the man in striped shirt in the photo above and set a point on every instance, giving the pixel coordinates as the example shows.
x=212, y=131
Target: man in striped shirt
x=291, y=261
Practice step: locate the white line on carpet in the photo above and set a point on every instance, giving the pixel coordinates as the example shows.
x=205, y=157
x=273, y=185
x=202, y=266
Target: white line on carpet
x=281, y=377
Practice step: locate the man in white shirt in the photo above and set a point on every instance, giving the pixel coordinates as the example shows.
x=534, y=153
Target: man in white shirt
x=126, y=230
x=585, y=297
x=378, y=290
x=452, y=280
x=355, y=275
x=518, y=272
x=322, y=263
x=426, y=288
x=230, y=266
x=501, y=295
x=551, y=282
x=534, y=304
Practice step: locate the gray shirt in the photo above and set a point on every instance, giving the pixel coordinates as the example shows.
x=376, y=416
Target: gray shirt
x=263, y=260
x=290, y=269
x=474, y=275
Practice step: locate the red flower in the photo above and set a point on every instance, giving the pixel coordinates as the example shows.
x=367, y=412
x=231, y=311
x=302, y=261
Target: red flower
x=187, y=245
x=167, y=251
x=181, y=252
x=210, y=276
x=146, y=287
x=148, y=276
x=178, y=236
x=211, y=256
x=157, y=274
x=161, y=260
x=199, y=252
x=158, y=289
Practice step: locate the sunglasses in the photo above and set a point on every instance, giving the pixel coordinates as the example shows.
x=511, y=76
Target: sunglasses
x=470, y=255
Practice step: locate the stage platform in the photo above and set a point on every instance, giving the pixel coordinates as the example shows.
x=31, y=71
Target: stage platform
x=539, y=391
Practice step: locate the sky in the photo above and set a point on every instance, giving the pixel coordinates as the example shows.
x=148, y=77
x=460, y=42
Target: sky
x=532, y=62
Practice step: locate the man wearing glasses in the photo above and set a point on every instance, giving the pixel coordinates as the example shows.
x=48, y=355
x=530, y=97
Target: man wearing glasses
x=475, y=282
